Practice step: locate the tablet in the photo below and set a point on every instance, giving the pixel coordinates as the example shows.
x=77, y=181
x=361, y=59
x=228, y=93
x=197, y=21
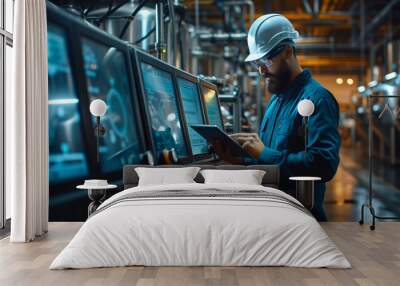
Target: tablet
x=213, y=132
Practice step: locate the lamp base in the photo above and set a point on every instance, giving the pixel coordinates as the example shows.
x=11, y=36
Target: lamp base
x=97, y=196
x=305, y=193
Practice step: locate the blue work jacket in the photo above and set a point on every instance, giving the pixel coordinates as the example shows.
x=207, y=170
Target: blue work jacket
x=282, y=132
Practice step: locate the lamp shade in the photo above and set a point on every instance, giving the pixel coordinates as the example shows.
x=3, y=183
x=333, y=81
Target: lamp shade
x=98, y=107
x=305, y=107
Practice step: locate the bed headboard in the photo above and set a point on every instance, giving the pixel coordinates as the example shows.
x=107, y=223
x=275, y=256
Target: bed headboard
x=270, y=179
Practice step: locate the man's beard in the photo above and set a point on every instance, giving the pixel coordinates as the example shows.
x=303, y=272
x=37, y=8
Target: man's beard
x=279, y=81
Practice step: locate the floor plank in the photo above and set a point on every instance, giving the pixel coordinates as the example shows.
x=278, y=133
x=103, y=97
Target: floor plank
x=375, y=257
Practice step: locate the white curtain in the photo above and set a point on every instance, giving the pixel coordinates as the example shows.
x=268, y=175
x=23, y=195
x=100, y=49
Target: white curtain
x=27, y=124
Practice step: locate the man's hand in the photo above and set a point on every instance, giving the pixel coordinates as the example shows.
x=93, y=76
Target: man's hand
x=250, y=142
x=224, y=153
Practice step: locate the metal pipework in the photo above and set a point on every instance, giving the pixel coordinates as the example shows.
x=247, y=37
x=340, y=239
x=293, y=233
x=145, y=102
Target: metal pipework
x=378, y=19
x=213, y=79
x=307, y=6
x=314, y=10
x=235, y=99
x=138, y=28
x=316, y=7
x=223, y=37
x=197, y=16
x=171, y=34
x=248, y=3
x=242, y=37
x=160, y=46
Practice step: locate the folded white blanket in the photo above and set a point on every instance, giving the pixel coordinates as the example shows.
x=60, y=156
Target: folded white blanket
x=201, y=224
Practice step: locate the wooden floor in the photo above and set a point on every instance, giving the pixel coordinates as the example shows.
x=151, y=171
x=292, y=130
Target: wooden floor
x=375, y=257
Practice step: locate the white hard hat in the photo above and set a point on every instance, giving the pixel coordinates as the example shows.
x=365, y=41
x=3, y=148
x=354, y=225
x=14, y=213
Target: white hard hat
x=266, y=33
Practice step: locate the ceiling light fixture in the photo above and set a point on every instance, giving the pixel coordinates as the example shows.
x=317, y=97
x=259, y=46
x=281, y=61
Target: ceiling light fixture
x=361, y=89
x=391, y=75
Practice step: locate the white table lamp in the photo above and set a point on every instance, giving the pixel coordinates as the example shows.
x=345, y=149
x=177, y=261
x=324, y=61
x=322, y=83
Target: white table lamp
x=305, y=108
x=98, y=108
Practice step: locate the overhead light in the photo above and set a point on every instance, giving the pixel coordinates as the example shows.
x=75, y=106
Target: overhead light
x=361, y=89
x=376, y=107
x=391, y=75
x=372, y=83
x=360, y=110
x=350, y=81
x=339, y=80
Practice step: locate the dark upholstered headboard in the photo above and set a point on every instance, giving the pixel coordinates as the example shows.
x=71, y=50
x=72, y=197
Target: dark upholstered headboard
x=271, y=177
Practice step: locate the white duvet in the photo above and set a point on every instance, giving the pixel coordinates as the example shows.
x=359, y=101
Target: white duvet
x=200, y=231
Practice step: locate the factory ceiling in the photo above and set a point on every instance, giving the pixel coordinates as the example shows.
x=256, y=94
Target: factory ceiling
x=336, y=34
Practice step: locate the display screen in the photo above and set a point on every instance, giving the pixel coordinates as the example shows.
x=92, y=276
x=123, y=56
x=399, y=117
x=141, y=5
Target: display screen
x=193, y=114
x=67, y=158
x=107, y=79
x=163, y=108
x=213, y=111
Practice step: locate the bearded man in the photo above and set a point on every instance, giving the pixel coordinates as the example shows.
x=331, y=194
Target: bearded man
x=280, y=140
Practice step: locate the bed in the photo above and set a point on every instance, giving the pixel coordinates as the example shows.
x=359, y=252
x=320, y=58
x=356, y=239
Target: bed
x=199, y=224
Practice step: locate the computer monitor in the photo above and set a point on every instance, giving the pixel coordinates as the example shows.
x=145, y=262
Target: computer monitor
x=108, y=75
x=211, y=103
x=160, y=102
x=193, y=112
x=67, y=156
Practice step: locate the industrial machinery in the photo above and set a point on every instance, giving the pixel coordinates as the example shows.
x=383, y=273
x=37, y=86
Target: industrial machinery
x=215, y=51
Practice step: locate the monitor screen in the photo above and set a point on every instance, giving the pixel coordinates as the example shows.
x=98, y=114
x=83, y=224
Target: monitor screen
x=163, y=110
x=212, y=106
x=107, y=79
x=67, y=158
x=193, y=114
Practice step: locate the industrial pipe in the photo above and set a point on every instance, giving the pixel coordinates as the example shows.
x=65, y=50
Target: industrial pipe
x=248, y=3
x=223, y=37
x=379, y=18
x=197, y=16
x=172, y=33
x=307, y=6
x=160, y=47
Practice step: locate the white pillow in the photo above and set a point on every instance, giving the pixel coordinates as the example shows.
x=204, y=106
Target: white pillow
x=248, y=177
x=165, y=176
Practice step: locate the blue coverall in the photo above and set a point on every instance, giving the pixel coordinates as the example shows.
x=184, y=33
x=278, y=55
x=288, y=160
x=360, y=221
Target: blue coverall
x=282, y=132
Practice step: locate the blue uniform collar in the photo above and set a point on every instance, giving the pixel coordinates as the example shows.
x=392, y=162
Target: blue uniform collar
x=301, y=80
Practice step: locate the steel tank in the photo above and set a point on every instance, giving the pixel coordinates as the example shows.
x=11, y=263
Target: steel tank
x=143, y=22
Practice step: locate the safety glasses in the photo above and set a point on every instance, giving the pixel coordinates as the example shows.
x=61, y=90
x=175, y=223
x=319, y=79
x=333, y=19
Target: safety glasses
x=267, y=59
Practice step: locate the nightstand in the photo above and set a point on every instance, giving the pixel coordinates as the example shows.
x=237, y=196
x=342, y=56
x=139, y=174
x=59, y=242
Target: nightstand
x=305, y=190
x=96, y=191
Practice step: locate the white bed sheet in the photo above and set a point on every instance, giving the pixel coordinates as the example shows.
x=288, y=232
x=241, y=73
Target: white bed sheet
x=200, y=232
